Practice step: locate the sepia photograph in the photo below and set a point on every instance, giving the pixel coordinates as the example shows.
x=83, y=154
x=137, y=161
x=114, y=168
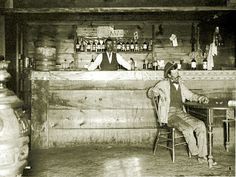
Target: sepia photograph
x=117, y=88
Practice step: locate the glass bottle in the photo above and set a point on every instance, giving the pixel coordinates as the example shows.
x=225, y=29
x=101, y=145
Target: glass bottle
x=77, y=45
x=217, y=36
x=114, y=46
x=118, y=46
x=193, y=64
x=150, y=45
x=89, y=46
x=136, y=46
x=179, y=65
x=99, y=46
x=82, y=45
x=145, y=64
x=123, y=47
x=94, y=47
x=155, y=65
x=132, y=46
x=132, y=63
x=92, y=60
x=150, y=65
x=144, y=45
x=204, y=64
x=127, y=46
x=103, y=46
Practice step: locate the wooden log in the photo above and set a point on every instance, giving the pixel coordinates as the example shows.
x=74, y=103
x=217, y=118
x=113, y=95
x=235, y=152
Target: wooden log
x=102, y=119
x=71, y=137
x=39, y=132
x=99, y=99
x=118, y=9
x=104, y=85
x=211, y=85
x=99, y=76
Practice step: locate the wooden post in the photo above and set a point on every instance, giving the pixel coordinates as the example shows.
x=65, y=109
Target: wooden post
x=2, y=35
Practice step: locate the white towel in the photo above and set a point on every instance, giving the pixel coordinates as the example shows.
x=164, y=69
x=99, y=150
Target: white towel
x=173, y=38
x=212, y=52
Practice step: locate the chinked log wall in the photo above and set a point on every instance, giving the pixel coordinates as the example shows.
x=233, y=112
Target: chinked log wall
x=70, y=108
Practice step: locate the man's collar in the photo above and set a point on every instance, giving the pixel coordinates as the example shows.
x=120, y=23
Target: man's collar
x=174, y=82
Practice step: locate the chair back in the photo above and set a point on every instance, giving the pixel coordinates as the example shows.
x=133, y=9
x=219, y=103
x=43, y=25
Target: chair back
x=155, y=100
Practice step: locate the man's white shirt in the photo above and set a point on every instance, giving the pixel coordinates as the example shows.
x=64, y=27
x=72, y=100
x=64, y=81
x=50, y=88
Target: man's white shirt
x=98, y=61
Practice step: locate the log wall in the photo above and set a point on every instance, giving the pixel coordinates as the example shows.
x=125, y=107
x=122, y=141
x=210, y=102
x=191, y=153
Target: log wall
x=64, y=35
x=70, y=108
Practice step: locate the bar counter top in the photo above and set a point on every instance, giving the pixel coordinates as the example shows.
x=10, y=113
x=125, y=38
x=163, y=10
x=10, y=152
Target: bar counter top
x=131, y=75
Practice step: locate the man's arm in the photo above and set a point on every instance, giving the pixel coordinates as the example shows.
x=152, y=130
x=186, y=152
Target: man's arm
x=189, y=95
x=157, y=90
x=96, y=63
x=123, y=62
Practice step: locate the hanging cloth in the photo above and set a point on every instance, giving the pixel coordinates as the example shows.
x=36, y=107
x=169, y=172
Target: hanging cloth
x=212, y=52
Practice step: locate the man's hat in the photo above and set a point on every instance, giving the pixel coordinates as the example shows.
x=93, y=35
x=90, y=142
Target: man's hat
x=169, y=66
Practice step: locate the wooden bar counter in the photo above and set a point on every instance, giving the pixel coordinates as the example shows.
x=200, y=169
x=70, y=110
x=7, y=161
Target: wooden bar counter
x=73, y=107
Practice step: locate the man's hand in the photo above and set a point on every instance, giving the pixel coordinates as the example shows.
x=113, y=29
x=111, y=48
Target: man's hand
x=203, y=99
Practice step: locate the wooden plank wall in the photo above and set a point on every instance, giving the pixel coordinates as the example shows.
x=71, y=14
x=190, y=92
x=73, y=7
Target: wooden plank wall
x=68, y=112
x=106, y=113
x=39, y=117
x=84, y=112
x=162, y=48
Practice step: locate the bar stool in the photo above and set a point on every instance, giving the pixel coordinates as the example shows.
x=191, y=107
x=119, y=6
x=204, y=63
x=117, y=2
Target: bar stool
x=166, y=135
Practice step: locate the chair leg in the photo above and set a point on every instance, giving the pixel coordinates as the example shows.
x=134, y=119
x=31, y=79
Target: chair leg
x=173, y=144
x=189, y=153
x=156, y=142
x=227, y=135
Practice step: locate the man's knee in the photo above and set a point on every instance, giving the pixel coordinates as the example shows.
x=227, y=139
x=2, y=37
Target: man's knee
x=188, y=131
x=202, y=125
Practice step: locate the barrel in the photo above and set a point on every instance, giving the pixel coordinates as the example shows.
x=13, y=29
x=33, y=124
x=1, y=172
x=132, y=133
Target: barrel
x=65, y=52
x=45, y=54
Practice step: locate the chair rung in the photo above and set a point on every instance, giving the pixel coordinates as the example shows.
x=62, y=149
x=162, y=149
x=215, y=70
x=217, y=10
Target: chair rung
x=170, y=138
x=228, y=120
x=179, y=137
x=162, y=141
x=166, y=133
x=183, y=143
x=176, y=144
x=165, y=139
x=165, y=146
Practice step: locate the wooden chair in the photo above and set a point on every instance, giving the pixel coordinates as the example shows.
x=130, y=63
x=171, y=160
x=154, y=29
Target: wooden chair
x=167, y=135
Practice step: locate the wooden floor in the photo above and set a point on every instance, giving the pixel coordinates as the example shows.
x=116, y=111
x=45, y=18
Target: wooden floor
x=125, y=161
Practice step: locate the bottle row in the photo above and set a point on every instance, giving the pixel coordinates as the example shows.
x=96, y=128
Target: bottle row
x=98, y=45
x=160, y=64
x=194, y=64
x=146, y=64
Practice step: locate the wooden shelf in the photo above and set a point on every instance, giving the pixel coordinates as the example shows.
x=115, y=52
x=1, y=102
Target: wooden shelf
x=117, y=10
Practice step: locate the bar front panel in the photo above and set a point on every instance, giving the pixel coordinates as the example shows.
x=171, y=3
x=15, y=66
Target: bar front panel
x=70, y=108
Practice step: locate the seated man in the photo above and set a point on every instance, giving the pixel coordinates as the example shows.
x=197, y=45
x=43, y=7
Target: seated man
x=173, y=93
